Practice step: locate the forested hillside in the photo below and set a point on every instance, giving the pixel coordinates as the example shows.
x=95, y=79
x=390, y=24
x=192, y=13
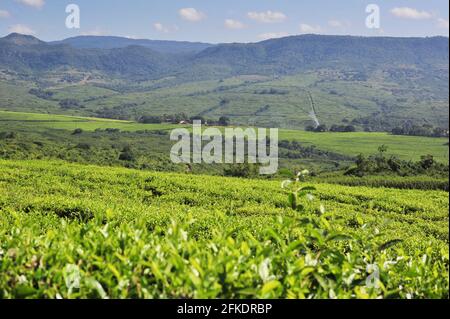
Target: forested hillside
x=373, y=84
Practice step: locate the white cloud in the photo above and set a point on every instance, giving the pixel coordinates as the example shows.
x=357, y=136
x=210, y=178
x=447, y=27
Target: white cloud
x=158, y=26
x=4, y=14
x=234, y=24
x=306, y=28
x=272, y=35
x=191, y=14
x=410, y=13
x=22, y=29
x=33, y=3
x=443, y=23
x=267, y=17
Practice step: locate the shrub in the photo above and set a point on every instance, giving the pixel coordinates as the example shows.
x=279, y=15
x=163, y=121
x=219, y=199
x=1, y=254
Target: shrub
x=69, y=104
x=241, y=170
x=77, y=131
x=126, y=154
x=84, y=146
x=151, y=119
x=8, y=135
x=224, y=121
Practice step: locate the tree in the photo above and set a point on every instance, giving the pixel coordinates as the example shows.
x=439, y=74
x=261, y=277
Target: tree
x=224, y=121
x=126, y=154
x=150, y=119
x=198, y=118
x=394, y=164
x=334, y=128
x=342, y=128
x=363, y=164
x=382, y=149
x=321, y=128
x=427, y=161
x=350, y=128
x=440, y=132
x=69, y=104
x=398, y=131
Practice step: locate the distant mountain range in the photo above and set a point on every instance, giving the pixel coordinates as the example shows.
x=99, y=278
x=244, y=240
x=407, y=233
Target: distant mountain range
x=108, y=42
x=290, y=55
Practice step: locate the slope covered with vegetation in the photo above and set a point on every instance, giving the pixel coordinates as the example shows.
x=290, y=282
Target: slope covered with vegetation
x=373, y=84
x=280, y=56
x=147, y=146
x=84, y=231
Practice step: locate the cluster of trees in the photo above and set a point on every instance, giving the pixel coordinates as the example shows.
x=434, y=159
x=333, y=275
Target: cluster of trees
x=107, y=130
x=165, y=118
x=117, y=112
x=342, y=128
x=181, y=117
x=46, y=95
x=244, y=170
x=417, y=130
x=334, y=128
x=77, y=131
x=150, y=119
x=375, y=122
x=294, y=150
x=272, y=91
x=70, y=104
x=381, y=163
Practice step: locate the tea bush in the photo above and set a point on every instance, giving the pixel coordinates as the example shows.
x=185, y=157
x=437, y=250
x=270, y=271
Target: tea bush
x=74, y=231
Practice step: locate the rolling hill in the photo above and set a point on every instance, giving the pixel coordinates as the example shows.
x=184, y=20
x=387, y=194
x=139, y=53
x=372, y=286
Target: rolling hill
x=375, y=83
x=281, y=56
x=27, y=54
x=109, y=42
x=312, y=52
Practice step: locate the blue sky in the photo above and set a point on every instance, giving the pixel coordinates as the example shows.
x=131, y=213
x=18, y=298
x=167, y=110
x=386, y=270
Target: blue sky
x=222, y=21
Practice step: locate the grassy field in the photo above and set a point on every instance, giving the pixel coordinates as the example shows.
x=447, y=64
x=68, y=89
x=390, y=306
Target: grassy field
x=101, y=142
x=405, y=147
x=76, y=231
x=338, y=96
x=64, y=122
x=352, y=144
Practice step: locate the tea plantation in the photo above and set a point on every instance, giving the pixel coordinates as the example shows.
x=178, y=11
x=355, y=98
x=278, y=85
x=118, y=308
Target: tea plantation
x=79, y=231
